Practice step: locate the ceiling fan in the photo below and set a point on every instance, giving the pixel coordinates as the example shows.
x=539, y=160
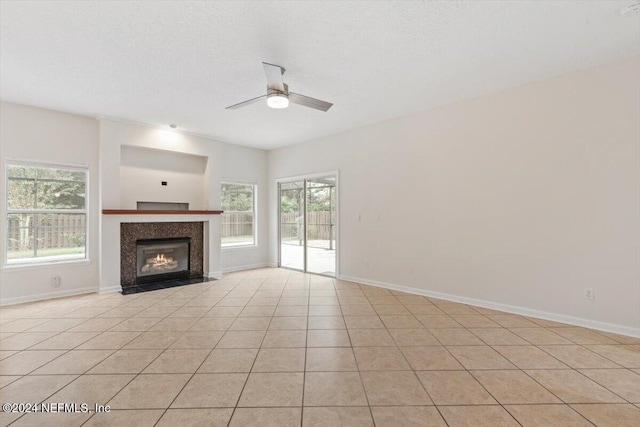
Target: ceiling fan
x=278, y=95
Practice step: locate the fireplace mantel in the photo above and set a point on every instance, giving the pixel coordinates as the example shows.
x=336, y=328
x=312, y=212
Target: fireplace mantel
x=157, y=212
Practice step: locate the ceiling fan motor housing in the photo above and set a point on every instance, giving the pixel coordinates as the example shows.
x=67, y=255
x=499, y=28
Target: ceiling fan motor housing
x=275, y=92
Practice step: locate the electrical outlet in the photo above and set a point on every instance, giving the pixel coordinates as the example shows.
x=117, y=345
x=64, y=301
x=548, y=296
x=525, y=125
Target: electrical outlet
x=410, y=270
x=589, y=294
x=367, y=263
x=55, y=281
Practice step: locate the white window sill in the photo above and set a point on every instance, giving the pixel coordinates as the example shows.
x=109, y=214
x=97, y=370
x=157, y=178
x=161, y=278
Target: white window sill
x=25, y=266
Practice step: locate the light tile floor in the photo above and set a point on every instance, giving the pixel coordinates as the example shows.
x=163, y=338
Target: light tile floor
x=272, y=347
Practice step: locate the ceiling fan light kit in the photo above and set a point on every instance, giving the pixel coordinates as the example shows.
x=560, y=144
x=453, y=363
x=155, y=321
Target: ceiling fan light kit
x=278, y=95
x=278, y=99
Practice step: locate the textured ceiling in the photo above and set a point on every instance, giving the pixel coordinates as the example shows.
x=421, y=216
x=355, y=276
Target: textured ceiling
x=183, y=62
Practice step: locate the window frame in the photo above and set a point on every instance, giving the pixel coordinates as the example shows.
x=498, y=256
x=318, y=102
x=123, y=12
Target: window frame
x=29, y=263
x=234, y=246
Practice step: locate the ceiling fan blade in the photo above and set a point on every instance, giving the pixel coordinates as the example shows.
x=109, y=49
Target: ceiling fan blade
x=274, y=76
x=307, y=101
x=245, y=103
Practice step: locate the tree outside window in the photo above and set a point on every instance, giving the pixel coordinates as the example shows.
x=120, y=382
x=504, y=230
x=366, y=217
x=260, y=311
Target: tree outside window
x=238, y=219
x=46, y=213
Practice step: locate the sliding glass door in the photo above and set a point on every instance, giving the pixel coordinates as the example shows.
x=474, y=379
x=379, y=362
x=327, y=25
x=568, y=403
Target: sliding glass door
x=292, y=224
x=307, y=232
x=320, y=226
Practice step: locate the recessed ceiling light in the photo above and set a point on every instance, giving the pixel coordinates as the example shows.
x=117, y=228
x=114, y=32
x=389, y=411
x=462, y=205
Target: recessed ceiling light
x=632, y=9
x=172, y=126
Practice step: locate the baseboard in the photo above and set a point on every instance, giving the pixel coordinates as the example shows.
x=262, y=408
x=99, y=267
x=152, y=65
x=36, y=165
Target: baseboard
x=107, y=289
x=47, y=295
x=213, y=275
x=538, y=314
x=245, y=267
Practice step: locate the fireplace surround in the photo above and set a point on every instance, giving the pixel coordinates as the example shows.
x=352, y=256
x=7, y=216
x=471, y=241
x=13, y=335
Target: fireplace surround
x=141, y=242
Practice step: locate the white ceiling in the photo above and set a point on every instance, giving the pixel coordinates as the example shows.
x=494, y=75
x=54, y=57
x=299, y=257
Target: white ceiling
x=183, y=62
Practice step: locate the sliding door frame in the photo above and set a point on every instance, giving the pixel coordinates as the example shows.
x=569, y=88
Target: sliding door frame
x=304, y=178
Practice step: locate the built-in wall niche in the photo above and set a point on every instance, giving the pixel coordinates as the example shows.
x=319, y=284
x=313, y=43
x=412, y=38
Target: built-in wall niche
x=161, y=176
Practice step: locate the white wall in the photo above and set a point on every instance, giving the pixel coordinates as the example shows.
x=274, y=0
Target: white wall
x=126, y=163
x=521, y=199
x=142, y=172
x=117, y=139
x=248, y=165
x=29, y=133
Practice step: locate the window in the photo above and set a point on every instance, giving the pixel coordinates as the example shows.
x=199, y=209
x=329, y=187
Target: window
x=46, y=213
x=238, y=219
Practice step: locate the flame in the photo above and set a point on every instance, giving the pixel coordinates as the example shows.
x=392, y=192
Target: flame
x=162, y=259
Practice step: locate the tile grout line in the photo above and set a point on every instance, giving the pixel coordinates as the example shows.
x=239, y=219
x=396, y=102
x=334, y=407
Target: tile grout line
x=304, y=367
x=233, y=412
x=585, y=376
x=77, y=377
x=169, y=346
x=482, y=385
x=420, y=381
x=414, y=372
x=461, y=364
x=358, y=364
x=575, y=340
x=154, y=359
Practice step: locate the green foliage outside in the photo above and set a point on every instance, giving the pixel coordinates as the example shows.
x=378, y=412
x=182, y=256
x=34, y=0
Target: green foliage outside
x=31, y=189
x=45, y=188
x=237, y=198
x=318, y=199
x=237, y=219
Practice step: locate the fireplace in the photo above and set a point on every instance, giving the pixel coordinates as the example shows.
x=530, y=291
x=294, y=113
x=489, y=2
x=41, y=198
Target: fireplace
x=142, y=246
x=162, y=259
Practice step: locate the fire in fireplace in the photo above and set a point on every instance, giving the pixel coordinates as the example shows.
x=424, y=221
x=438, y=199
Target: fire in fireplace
x=162, y=259
x=160, y=263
